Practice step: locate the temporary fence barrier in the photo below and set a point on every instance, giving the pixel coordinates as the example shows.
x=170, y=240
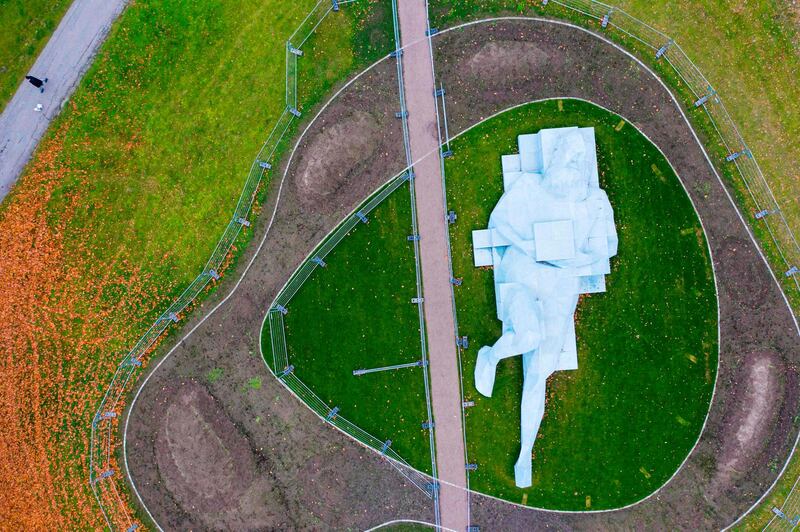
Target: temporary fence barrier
x=282, y=365
x=103, y=469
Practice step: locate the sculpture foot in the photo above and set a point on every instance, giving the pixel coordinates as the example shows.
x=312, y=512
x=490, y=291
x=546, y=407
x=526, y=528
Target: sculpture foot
x=485, y=369
x=523, y=471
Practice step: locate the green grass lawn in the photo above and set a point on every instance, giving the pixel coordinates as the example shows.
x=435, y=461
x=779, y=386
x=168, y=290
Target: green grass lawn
x=25, y=27
x=618, y=427
x=356, y=313
x=748, y=51
x=149, y=159
x=172, y=114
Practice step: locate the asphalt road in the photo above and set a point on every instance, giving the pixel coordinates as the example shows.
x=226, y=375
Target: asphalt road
x=64, y=60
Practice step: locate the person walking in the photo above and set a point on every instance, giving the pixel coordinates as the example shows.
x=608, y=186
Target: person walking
x=36, y=82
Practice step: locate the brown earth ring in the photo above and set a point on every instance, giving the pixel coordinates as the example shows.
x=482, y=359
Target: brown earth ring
x=354, y=488
x=488, y=511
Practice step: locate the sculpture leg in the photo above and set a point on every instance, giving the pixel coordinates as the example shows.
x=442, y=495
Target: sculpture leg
x=537, y=366
x=485, y=370
x=533, y=395
x=510, y=344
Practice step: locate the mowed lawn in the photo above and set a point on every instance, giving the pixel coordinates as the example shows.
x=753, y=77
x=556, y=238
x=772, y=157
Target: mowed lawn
x=174, y=113
x=121, y=207
x=25, y=26
x=356, y=313
x=761, y=39
x=748, y=51
x=618, y=427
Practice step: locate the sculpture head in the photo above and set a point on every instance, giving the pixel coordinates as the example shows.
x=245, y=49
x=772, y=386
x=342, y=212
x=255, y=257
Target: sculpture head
x=565, y=176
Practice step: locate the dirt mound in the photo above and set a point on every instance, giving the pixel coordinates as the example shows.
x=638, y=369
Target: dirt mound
x=757, y=405
x=507, y=60
x=337, y=152
x=205, y=462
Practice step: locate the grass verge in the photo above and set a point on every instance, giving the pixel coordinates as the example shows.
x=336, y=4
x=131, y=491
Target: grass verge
x=25, y=27
x=618, y=427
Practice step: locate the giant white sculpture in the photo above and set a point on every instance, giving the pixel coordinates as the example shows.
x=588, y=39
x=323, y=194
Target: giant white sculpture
x=550, y=238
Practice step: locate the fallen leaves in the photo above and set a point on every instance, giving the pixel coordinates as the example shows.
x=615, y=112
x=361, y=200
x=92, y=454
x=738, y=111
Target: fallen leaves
x=63, y=318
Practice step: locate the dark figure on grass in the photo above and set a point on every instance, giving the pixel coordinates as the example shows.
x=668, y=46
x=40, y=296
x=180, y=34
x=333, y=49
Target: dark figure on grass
x=36, y=82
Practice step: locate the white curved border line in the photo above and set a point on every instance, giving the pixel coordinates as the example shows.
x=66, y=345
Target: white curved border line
x=277, y=202
x=411, y=521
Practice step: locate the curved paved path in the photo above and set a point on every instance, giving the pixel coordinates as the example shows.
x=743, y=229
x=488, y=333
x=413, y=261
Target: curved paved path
x=65, y=58
x=440, y=329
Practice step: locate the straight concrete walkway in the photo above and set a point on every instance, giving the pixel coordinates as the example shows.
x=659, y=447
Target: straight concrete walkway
x=439, y=319
x=65, y=58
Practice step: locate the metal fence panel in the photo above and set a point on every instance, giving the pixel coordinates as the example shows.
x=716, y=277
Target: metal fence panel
x=104, y=425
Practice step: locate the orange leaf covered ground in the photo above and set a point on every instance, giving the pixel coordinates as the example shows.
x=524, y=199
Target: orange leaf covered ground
x=56, y=333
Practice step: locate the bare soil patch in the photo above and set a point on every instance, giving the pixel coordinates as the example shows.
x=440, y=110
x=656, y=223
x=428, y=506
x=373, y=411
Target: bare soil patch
x=338, y=150
x=207, y=463
x=514, y=60
x=744, y=288
x=192, y=411
x=755, y=406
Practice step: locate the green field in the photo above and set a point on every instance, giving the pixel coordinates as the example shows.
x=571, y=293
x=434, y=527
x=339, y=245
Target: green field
x=356, y=313
x=168, y=150
x=25, y=27
x=618, y=427
x=131, y=188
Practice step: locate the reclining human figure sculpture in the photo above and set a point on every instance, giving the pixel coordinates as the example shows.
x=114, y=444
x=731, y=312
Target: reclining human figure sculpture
x=550, y=238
